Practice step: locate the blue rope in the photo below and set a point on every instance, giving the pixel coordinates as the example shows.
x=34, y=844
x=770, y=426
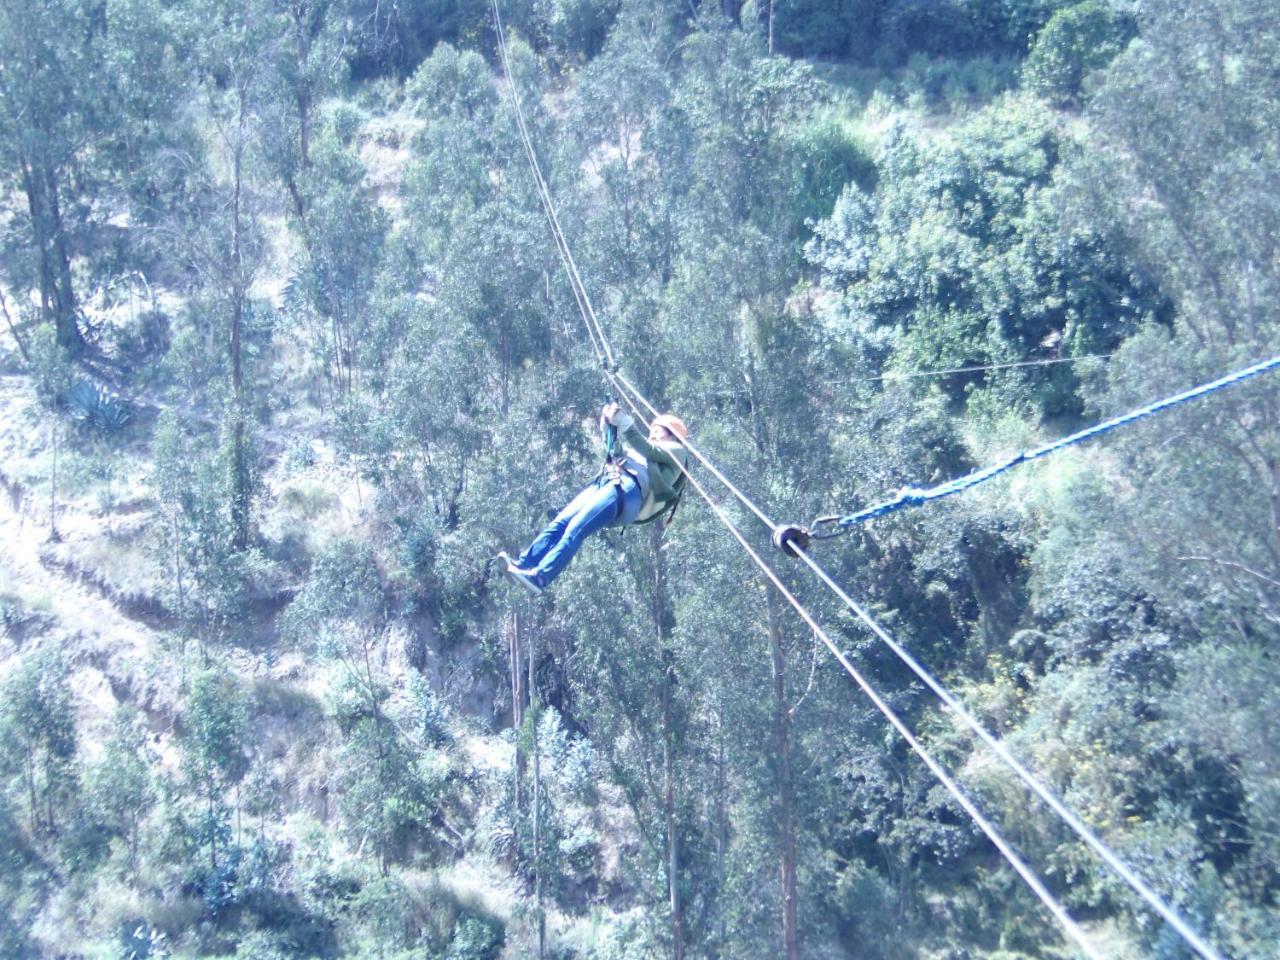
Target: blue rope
x=914, y=496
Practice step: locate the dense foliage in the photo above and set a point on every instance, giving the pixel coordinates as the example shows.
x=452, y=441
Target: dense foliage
x=289, y=355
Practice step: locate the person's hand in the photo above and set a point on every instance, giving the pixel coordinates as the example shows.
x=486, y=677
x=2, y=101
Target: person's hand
x=613, y=413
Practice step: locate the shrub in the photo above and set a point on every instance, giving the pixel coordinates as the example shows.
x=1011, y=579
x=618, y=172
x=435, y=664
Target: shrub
x=829, y=155
x=814, y=28
x=581, y=26
x=384, y=912
x=476, y=938
x=1075, y=41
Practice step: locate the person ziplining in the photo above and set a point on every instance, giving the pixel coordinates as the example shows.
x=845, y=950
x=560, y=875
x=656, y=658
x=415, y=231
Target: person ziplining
x=642, y=479
x=610, y=500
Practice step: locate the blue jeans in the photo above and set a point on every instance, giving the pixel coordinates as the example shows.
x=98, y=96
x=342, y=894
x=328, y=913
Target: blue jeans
x=602, y=504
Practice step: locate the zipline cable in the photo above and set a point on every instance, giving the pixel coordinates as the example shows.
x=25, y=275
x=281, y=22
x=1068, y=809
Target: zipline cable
x=544, y=197
x=1028, y=875
x=913, y=496
x=977, y=368
x=1073, y=822
x=746, y=501
x=604, y=353
x=1104, y=852
x=598, y=339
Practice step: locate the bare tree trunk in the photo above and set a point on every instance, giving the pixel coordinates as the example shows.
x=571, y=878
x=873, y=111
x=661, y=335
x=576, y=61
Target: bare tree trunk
x=177, y=563
x=786, y=803
x=302, y=41
x=669, y=808
x=665, y=621
x=69, y=336
x=781, y=713
x=722, y=828
x=53, y=487
x=31, y=789
x=213, y=834
x=537, y=796
x=517, y=707
x=291, y=183
x=384, y=861
x=57, y=296
x=239, y=465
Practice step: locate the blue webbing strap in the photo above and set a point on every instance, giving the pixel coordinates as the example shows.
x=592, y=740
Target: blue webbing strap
x=914, y=496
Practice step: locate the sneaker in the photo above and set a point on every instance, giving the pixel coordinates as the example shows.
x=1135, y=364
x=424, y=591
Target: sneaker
x=531, y=580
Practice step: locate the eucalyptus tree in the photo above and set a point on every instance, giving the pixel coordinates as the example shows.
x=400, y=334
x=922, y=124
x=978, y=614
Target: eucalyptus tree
x=218, y=235
x=173, y=481
x=1200, y=145
x=49, y=118
x=120, y=788
x=307, y=64
x=215, y=760
x=634, y=693
x=39, y=739
x=697, y=175
x=742, y=334
x=621, y=130
x=53, y=373
x=87, y=98
x=341, y=614
x=473, y=214
x=1181, y=172
x=206, y=576
x=343, y=232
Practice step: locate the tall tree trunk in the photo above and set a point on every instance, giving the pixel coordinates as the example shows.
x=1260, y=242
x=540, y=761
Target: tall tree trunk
x=57, y=295
x=302, y=41
x=177, y=561
x=53, y=487
x=722, y=828
x=384, y=860
x=786, y=798
x=213, y=833
x=517, y=707
x=781, y=709
x=303, y=101
x=669, y=806
x=69, y=336
x=537, y=796
x=295, y=194
x=239, y=455
x=664, y=618
x=33, y=797
x=51, y=823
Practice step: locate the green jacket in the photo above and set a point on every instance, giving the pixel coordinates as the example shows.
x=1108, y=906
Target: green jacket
x=665, y=466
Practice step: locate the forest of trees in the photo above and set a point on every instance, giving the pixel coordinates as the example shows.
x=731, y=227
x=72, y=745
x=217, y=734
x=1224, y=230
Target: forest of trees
x=288, y=356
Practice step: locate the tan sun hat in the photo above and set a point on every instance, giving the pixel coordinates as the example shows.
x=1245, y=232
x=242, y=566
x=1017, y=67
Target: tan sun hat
x=672, y=423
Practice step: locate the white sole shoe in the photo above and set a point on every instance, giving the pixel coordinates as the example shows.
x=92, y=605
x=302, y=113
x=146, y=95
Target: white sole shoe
x=525, y=578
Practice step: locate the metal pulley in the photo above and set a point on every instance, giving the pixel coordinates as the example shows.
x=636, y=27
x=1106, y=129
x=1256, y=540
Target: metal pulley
x=789, y=538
